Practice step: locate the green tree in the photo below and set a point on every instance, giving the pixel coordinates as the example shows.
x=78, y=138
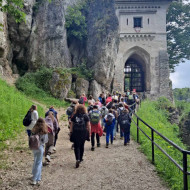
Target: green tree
x=178, y=33
x=76, y=21
x=14, y=8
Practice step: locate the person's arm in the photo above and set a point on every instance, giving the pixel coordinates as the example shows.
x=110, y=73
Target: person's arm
x=71, y=127
x=36, y=116
x=88, y=126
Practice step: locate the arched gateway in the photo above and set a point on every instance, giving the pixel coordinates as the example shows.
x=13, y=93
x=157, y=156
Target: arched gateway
x=142, y=60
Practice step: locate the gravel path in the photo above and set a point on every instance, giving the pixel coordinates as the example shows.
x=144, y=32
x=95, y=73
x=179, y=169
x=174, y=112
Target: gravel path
x=118, y=167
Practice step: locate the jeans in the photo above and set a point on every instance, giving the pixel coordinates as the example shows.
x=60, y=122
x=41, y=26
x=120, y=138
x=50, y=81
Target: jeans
x=115, y=128
x=126, y=136
x=37, y=166
x=121, y=132
x=79, y=150
x=97, y=139
x=29, y=132
x=109, y=132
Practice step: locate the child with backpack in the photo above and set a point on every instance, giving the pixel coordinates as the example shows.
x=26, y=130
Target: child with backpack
x=96, y=129
x=124, y=120
x=30, y=119
x=41, y=130
x=119, y=111
x=79, y=130
x=109, y=121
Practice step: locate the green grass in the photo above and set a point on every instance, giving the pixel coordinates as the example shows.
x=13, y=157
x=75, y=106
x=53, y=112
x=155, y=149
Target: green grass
x=36, y=86
x=14, y=106
x=157, y=118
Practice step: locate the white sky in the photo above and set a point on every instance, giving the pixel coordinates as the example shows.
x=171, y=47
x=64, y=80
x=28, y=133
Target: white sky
x=181, y=77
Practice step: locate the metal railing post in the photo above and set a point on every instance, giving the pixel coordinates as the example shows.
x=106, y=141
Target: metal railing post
x=185, y=181
x=152, y=138
x=137, y=130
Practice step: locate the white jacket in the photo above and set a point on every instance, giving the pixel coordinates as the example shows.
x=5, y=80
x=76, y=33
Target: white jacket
x=34, y=116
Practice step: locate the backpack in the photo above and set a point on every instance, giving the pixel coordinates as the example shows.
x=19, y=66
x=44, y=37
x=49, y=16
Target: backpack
x=34, y=142
x=79, y=124
x=120, y=111
x=109, y=119
x=95, y=117
x=109, y=105
x=69, y=111
x=81, y=100
x=27, y=119
x=89, y=108
x=104, y=111
x=124, y=122
x=130, y=97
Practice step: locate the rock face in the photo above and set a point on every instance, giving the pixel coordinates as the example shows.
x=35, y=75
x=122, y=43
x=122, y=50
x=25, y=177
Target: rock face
x=60, y=85
x=48, y=41
x=184, y=127
x=102, y=43
x=81, y=86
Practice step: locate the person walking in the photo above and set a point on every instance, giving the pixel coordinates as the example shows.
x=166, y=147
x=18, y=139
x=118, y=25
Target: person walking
x=124, y=120
x=34, y=117
x=109, y=121
x=40, y=129
x=119, y=111
x=115, y=126
x=79, y=130
x=96, y=129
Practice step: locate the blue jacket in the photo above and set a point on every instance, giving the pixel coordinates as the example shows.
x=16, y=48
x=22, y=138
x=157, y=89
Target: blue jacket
x=113, y=122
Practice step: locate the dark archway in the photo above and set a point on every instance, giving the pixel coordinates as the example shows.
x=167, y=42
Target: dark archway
x=134, y=75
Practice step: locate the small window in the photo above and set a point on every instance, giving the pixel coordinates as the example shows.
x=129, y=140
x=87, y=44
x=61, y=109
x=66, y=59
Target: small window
x=148, y=21
x=127, y=22
x=138, y=22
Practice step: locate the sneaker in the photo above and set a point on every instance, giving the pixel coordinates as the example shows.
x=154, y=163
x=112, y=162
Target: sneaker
x=72, y=147
x=111, y=142
x=81, y=160
x=54, y=149
x=92, y=149
x=125, y=144
x=48, y=159
x=114, y=138
x=77, y=163
x=121, y=138
x=33, y=183
x=107, y=145
x=98, y=145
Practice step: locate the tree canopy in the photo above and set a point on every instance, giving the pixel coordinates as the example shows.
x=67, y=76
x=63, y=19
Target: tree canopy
x=178, y=33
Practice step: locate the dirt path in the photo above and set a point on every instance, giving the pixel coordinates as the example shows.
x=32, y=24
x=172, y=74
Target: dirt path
x=118, y=167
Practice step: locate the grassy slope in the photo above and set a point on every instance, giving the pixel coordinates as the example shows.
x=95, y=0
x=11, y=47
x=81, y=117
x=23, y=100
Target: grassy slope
x=14, y=106
x=158, y=120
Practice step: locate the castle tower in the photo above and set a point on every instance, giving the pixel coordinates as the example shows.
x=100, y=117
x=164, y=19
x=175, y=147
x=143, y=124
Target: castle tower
x=142, y=60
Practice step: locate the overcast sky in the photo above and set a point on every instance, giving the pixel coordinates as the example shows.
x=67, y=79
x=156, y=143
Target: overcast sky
x=181, y=77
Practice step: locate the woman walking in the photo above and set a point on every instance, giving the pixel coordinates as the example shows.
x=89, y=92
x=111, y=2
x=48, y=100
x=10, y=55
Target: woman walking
x=40, y=129
x=34, y=117
x=79, y=129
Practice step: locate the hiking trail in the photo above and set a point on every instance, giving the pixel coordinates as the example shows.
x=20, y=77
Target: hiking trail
x=118, y=167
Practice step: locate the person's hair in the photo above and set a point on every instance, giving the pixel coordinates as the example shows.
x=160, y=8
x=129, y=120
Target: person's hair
x=80, y=109
x=51, y=107
x=110, y=111
x=95, y=107
x=40, y=127
x=113, y=107
x=33, y=107
x=90, y=97
x=51, y=115
x=125, y=111
x=109, y=95
x=122, y=99
x=101, y=95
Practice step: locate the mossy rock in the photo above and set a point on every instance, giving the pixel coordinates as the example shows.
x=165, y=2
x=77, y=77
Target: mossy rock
x=71, y=94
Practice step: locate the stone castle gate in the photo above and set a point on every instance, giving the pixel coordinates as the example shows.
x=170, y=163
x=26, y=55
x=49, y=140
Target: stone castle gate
x=142, y=60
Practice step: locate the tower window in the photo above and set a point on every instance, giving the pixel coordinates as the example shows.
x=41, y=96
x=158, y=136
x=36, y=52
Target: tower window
x=148, y=21
x=137, y=22
x=127, y=22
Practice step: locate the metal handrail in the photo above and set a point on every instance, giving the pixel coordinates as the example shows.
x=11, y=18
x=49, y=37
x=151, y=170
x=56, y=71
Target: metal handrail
x=184, y=152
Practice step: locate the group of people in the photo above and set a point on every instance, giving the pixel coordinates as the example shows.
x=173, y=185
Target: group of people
x=47, y=130
x=103, y=116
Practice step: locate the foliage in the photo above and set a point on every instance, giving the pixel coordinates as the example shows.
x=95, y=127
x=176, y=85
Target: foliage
x=14, y=8
x=158, y=120
x=36, y=85
x=14, y=106
x=76, y=21
x=182, y=94
x=178, y=33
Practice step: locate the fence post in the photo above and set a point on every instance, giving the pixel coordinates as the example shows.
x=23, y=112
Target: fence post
x=152, y=137
x=137, y=130
x=185, y=181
